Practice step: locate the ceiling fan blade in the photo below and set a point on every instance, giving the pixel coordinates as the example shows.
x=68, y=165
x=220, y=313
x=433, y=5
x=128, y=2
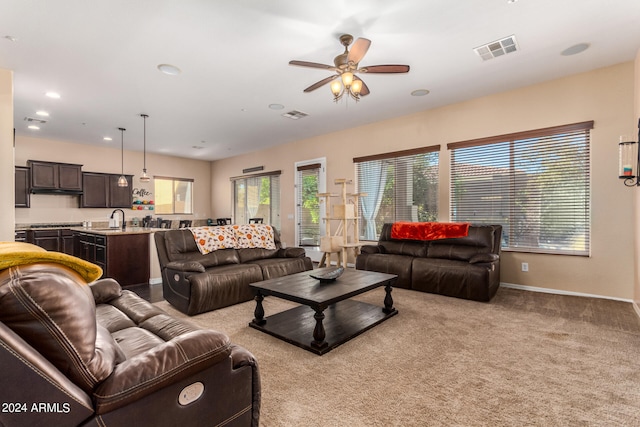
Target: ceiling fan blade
x=365, y=89
x=358, y=50
x=312, y=65
x=385, y=69
x=320, y=83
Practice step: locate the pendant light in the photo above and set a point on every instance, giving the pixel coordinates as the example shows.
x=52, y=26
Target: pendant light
x=122, y=181
x=144, y=177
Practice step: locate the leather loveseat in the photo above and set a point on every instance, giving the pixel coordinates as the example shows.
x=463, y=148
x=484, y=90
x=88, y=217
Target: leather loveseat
x=96, y=355
x=194, y=282
x=463, y=267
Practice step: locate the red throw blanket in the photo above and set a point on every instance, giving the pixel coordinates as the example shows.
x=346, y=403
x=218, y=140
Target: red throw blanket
x=429, y=230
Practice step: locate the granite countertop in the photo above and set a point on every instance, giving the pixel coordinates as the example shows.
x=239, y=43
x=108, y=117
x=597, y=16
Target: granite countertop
x=47, y=226
x=96, y=229
x=110, y=231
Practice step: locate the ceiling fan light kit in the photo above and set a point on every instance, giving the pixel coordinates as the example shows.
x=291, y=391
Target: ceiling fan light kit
x=346, y=66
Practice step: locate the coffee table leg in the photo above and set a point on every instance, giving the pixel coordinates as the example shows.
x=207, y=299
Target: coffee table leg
x=318, y=332
x=388, y=300
x=258, y=313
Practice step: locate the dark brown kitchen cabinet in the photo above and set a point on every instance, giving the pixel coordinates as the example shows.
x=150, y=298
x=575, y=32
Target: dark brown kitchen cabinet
x=55, y=177
x=100, y=190
x=58, y=240
x=67, y=241
x=120, y=197
x=23, y=198
x=123, y=257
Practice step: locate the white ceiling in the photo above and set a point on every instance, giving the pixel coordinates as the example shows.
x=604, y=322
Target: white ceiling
x=101, y=56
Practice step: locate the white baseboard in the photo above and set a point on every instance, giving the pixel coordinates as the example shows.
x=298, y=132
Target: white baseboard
x=561, y=292
x=155, y=281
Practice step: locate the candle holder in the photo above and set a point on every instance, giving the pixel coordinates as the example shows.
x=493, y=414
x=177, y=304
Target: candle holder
x=629, y=160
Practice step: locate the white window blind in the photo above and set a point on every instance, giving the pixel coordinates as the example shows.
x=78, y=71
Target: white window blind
x=308, y=205
x=535, y=184
x=257, y=196
x=400, y=186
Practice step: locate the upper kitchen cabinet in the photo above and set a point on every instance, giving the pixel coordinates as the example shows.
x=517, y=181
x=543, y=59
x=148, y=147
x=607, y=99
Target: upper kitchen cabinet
x=120, y=197
x=23, y=198
x=100, y=190
x=50, y=177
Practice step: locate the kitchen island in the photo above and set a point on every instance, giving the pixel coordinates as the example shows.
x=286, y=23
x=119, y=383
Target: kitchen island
x=122, y=254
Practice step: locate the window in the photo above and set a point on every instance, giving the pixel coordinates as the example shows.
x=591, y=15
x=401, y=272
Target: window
x=399, y=186
x=308, y=204
x=173, y=195
x=535, y=184
x=257, y=196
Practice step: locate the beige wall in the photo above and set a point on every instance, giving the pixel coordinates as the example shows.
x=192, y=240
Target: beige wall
x=62, y=208
x=636, y=296
x=7, y=194
x=605, y=96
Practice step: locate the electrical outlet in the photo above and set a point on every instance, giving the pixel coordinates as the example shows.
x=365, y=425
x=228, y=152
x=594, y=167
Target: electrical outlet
x=525, y=266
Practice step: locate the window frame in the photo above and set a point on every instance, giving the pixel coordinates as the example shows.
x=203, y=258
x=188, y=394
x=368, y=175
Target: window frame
x=367, y=232
x=173, y=195
x=560, y=134
x=274, y=199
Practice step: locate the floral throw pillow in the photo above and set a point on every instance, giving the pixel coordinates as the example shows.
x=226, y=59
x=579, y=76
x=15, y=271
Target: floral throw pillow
x=209, y=239
x=254, y=236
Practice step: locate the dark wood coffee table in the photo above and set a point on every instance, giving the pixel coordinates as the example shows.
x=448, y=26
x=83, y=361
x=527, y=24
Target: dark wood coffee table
x=333, y=319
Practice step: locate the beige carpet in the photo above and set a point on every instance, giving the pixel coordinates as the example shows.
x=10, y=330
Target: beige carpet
x=526, y=358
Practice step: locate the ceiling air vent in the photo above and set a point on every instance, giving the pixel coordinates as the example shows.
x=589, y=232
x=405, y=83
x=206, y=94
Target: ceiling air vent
x=497, y=48
x=295, y=115
x=34, y=120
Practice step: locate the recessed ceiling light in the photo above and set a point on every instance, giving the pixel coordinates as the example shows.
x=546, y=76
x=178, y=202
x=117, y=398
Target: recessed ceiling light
x=276, y=106
x=54, y=95
x=34, y=127
x=169, y=69
x=575, y=49
x=420, y=92
x=107, y=138
x=42, y=113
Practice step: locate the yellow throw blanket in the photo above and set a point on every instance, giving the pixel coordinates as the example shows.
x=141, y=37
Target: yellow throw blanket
x=18, y=253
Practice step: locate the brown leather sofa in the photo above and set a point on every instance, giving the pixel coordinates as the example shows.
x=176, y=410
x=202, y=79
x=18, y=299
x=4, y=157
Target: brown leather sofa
x=195, y=283
x=464, y=267
x=79, y=355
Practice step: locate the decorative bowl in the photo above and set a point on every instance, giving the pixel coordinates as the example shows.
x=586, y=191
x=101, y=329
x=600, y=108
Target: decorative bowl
x=328, y=276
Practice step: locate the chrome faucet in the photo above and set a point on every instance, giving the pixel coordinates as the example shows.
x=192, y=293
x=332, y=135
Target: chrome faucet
x=124, y=223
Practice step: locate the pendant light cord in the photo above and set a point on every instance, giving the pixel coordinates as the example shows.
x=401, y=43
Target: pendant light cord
x=144, y=142
x=122, y=151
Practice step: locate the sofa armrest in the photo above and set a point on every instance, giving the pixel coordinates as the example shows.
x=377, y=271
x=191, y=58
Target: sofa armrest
x=370, y=249
x=483, y=258
x=293, y=252
x=187, y=266
x=242, y=357
x=105, y=290
x=160, y=367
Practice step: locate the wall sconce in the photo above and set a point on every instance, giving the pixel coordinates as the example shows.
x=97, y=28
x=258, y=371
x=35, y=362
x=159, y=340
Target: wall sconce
x=629, y=160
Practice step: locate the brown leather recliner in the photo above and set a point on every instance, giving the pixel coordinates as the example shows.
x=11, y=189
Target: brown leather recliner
x=194, y=283
x=464, y=267
x=96, y=355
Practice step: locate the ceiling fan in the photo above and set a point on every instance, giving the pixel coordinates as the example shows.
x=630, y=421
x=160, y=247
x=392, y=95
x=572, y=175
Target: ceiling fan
x=346, y=65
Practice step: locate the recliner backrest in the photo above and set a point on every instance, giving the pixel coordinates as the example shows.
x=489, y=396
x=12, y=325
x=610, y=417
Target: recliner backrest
x=51, y=307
